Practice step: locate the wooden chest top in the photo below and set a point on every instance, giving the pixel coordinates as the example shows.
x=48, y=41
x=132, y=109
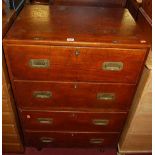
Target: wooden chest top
x=68, y=25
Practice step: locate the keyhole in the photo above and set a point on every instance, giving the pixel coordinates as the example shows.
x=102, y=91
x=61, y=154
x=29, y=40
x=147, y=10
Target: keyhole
x=73, y=115
x=75, y=86
x=77, y=52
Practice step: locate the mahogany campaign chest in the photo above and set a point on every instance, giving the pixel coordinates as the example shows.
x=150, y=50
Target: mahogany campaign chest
x=74, y=72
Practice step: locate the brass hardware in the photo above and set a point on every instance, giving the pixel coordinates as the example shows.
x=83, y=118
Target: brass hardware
x=115, y=41
x=39, y=63
x=77, y=52
x=112, y=66
x=45, y=120
x=100, y=122
x=42, y=94
x=70, y=39
x=36, y=38
x=142, y=41
x=106, y=96
x=96, y=141
x=46, y=139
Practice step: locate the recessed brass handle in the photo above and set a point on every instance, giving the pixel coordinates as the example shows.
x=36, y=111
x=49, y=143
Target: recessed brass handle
x=106, y=96
x=46, y=140
x=100, y=122
x=42, y=94
x=39, y=63
x=112, y=66
x=96, y=141
x=45, y=120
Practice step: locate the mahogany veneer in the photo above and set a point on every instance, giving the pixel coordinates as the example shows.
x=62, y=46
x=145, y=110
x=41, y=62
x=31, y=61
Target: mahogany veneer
x=74, y=71
x=73, y=95
x=66, y=66
x=73, y=120
x=71, y=139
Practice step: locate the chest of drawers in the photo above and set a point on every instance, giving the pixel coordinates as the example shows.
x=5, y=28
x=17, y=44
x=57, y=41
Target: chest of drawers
x=74, y=72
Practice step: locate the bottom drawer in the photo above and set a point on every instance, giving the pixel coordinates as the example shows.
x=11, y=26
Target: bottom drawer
x=71, y=139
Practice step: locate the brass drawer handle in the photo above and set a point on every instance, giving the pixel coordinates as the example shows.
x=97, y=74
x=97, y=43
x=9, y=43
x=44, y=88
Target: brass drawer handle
x=42, y=94
x=39, y=63
x=112, y=66
x=45, y=120
x=106, y=96
x=96, y=141
x=100, y=122
x=46, y=140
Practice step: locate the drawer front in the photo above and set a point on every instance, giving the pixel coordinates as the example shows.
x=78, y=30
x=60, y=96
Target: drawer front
x=110, y=65
x=41, y=62
x=46, y=95
x=71, y=139
x=73, y=121
x=72, y=64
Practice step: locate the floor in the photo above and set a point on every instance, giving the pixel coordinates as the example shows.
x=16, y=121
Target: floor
x=47, y=151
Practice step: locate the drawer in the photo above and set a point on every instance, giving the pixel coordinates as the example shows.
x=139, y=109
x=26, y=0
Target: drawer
x=110, y=65
x=71, y=139
x=75, y=64
x=41, y=62
x=46, y=95
x=73, y=121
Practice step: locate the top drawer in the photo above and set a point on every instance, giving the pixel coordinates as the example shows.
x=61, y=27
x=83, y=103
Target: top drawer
x=74, y=63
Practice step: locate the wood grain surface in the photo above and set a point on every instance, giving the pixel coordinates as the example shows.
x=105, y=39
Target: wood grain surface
x=86, y=26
